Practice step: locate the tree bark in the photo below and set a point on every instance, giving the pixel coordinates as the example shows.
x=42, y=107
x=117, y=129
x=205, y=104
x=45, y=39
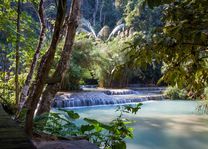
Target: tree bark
x=63, y=64
x=101, y=12
x=44, y=68
x=17, y=53
x=26, y=86
x=95, y=12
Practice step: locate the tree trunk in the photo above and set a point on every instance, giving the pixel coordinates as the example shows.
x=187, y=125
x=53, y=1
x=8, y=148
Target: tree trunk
x=44, y=68
x=95, y=12
x=63, y=64
x=26, y=86
x=17, y=54
x=101, y=12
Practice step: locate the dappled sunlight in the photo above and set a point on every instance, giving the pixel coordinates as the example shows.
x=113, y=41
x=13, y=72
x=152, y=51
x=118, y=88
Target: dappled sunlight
x=160, y=128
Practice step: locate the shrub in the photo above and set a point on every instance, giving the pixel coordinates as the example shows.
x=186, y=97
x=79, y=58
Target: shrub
x=108, y=136
x=203, y=107
x=175, y=93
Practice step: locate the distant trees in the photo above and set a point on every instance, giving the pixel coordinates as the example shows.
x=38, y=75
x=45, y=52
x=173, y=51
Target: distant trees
x=101, y=13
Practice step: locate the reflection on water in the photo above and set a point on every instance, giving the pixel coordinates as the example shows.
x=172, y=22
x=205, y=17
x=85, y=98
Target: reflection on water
x=161, y=125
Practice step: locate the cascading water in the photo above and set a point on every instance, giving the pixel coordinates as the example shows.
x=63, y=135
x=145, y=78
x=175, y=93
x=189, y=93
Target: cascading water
x=115, y=30
x=104, y=97
x=85, y=26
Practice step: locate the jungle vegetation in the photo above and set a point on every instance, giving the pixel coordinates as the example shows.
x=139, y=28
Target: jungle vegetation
x=47, y=46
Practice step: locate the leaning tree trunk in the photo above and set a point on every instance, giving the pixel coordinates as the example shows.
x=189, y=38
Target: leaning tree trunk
x=44, y=68
x=55, y=84
x=17, y=54
x=26, y=86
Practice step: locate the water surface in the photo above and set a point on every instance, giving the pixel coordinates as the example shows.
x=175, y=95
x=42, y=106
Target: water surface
x=160, y=124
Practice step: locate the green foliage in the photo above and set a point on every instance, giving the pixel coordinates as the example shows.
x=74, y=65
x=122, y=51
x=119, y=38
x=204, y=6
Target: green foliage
x=132, y=11
x=185, y=52
x=203, y=107
x=176, y=93
x=7, y=88
x=107, y=62
x=109, y=135
x=82, y=58
x=155, y=3
x=129, y=108
x=111, y=68
x=60, y=124
x=181, y=44
x=206, y=93
x=28, y=40
x=104, y=61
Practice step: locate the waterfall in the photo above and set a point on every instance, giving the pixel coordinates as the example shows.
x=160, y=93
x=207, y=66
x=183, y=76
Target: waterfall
x=96, y=99
x=105, y=97
x=115, y=30
x=85, y=26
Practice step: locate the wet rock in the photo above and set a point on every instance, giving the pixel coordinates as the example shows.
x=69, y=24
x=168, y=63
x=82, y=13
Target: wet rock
x=104, y=32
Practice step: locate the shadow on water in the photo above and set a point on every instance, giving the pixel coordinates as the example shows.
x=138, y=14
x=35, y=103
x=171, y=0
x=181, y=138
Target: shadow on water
x=161, y=125
x=170, y=132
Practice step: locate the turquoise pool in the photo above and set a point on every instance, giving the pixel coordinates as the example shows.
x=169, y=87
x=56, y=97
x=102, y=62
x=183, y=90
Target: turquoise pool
x=160, y=124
